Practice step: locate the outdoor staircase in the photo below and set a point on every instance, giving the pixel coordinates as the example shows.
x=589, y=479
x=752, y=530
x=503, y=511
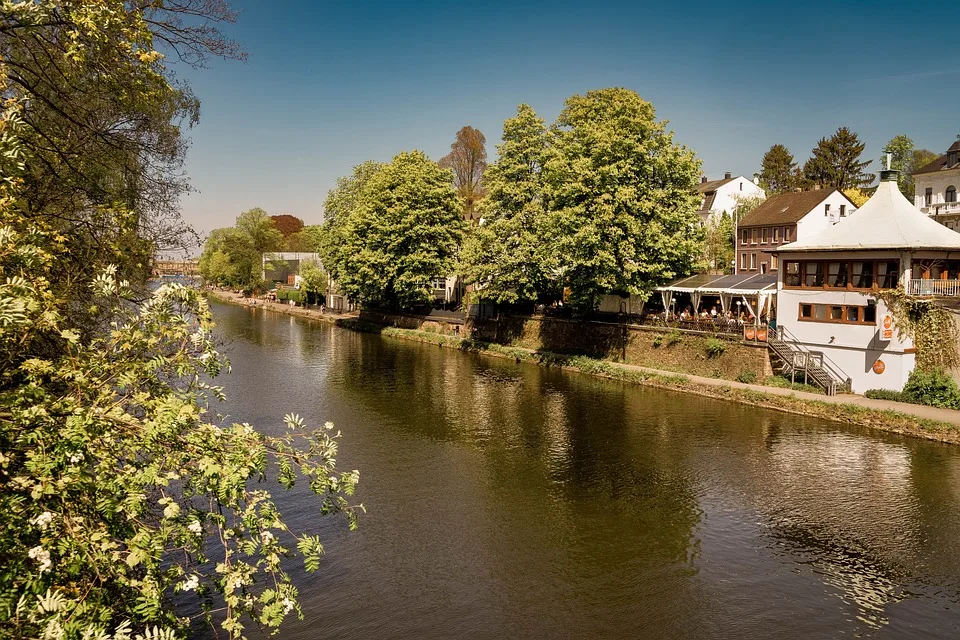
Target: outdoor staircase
x=795, y=359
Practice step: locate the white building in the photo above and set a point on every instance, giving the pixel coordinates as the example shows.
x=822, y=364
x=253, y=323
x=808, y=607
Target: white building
x=826, y=290
x=723, y=195
x=936, y=188
x=784, y=218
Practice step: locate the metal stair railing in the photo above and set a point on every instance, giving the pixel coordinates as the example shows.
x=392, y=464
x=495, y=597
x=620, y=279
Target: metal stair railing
x=814, y=365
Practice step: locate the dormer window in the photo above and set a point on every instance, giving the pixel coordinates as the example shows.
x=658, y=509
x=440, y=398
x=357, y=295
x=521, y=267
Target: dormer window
x=951, y=194
x=826, y=209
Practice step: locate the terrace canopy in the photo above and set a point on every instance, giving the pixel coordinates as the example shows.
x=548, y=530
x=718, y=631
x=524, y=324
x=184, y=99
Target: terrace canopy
x=757, y=286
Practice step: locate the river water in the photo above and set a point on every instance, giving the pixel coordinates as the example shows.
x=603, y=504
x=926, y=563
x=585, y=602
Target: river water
x=508, y=500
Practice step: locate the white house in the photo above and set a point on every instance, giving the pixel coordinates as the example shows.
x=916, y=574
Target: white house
x=723, y=195
x=783, y=218
x=936, y=188
x=827, y=285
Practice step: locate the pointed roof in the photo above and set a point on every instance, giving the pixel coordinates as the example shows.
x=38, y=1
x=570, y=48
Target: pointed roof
x=788, y=208
x=886, y=221
x=943, y=162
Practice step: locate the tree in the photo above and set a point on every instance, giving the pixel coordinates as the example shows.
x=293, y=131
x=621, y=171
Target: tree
x=314, y=278
x=259, y=229
x=468, y=159
x=836, y=164
x=287, y=224
x=778, y=171
x=243, y=246
x=857, y=196
x=507, y=256
x=404, y=232
x=342, y=202
x=720, y=243
x=622, y=197
x=907, y=159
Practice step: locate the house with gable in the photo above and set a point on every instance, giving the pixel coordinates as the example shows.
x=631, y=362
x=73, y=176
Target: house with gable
x=936, y=188
x=828, y=311
x=785, y=218
x=723, y=195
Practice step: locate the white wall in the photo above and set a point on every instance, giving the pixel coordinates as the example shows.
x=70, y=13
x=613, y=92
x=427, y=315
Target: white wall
x=728, y=194
x=815, y=222
x=939, y=182
x=852, y=348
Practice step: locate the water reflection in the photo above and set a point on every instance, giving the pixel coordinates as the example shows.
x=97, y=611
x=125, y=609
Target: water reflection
x=509, y=499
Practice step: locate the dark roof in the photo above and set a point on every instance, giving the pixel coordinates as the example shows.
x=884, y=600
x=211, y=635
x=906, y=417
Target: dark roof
x=743, y=283
x=942, y=163
x=713, y=185
x=786, y=208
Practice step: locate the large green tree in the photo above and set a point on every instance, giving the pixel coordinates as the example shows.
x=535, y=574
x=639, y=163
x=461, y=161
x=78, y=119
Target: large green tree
x=507, y=257
x=836, y=163
x=622, y=197
x=778, y=171
x=342, y=202
x=906, y=158
x=241, y=247
x=404, y=231
x=468, y=161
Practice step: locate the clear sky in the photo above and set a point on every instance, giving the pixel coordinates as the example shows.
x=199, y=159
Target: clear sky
x=329, y=85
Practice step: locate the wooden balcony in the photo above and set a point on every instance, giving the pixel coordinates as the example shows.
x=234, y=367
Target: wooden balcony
x=946, y=288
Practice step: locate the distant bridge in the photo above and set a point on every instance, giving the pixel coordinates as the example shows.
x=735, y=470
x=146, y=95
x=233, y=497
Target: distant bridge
x=183, y=268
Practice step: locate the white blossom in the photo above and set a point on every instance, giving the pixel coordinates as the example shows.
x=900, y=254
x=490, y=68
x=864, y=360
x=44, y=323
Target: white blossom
x=288, y=605
x=266, y=537
x=190, y=583
x=195, y=527
x=77, y=457
x=42, y=556
x=43, y=520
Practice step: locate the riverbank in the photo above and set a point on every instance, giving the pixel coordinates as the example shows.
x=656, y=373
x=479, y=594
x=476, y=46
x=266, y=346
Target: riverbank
x=895, y=417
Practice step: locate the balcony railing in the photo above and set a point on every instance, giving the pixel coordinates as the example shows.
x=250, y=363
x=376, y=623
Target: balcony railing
x=950, y=288
x=941, y=208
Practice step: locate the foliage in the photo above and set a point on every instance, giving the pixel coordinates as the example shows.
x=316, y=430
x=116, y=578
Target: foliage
x=720, y=243
x=341, y=202
x=715, y=347
x=778, y=171
x=234, y=257
x=784, y=382
x=507, y=255
x=314, y=278
x=674, y=337
x=308, y=240
x=404, y=231
x=622, y=198
x=857, y=196
x=885, y=394
x=657, y=341
x=747, y=377
x=931, y=327
x=932, y=387
x=287, y=224
x=285, y=294
x=906, y=158
x=468, y=160
x=836, y=164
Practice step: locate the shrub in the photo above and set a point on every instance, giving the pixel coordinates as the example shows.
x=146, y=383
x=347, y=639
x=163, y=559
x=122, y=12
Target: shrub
x=934, y=388
x=657, y=341
x=674, y=337
x=715, y=347
x=747, y=377
x=885, y=394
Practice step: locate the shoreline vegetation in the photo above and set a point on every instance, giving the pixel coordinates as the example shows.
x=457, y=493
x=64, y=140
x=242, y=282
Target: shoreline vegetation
x=891, y=417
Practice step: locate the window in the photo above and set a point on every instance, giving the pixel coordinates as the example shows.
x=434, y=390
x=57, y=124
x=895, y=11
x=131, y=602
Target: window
x=888, y=273
x=743, y=261
x=773, y=263
x=776, y=235
x=843, y=210
x=951, y=194
x=862, y=275
x=928, y=196
x=837, y=274
x=826, y=209
x=763, y=236
x=787, y=234
x=763, y=267
x=741, y=185
x=753, y=236
x=792, y=276
x=837, y=314
x=743, y=236
x=753, y=262
x=813, y=274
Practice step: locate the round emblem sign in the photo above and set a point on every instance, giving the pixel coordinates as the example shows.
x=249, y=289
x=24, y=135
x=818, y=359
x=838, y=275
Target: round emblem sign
x=878, y=366
x=887, y=322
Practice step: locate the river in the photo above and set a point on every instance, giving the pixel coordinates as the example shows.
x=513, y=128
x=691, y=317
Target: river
x=509, y=500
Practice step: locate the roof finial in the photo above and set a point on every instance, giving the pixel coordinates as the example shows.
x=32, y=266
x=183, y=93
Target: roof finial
x=888, y=173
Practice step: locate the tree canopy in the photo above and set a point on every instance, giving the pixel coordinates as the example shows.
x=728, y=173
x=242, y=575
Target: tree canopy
x=234, y=256
x=507, y=256
x=622, y=197
x=468, y=160
x=836, y=163
x=403, y=231
x=287, y=224
x=906, y=158
x=778, y=172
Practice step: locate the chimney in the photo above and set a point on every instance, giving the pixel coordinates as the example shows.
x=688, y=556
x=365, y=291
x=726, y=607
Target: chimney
x=727, y=175
x=703, y=179
x=888, y=174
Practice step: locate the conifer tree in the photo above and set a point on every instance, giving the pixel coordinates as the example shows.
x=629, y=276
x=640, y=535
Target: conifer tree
x=778, y=170
x=835, y=162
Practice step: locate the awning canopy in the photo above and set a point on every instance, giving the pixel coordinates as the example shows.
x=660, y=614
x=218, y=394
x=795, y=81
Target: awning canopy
x=759, y=285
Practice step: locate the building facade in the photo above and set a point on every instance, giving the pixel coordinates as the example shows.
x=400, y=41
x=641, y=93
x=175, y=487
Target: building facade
x=936, y=188
x=827, y=300
x=724, y=195
x=782, y=219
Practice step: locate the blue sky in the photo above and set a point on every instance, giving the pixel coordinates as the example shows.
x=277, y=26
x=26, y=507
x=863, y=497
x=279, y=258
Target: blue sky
x=329, y=85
